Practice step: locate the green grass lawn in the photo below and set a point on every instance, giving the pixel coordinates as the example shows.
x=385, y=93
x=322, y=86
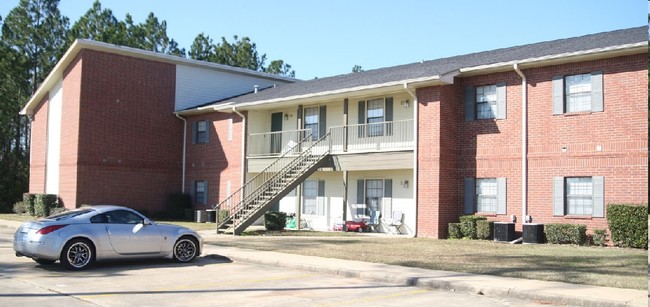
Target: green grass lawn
x=600, y=266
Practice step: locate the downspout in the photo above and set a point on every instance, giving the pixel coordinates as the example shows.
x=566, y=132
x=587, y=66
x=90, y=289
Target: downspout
x=415, y=154
x=243, y=146
x=524, y=143
x=184, y=150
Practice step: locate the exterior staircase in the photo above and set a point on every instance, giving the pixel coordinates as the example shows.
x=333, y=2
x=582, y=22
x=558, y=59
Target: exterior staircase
x=258, y=195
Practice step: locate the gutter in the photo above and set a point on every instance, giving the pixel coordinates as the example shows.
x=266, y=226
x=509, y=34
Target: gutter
x=415, y=153
x=524, y=144
x=184, y=149
x=243, y=146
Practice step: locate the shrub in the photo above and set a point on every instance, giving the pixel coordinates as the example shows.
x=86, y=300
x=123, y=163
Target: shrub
x=223, y=215
x=468, y=225
x=176, y=205
x=599, y=237
x=275, y=220
x=28, y=202
x=454, y=231
x=484, y=229
x=19, y=208
x=628, y=225
x=566, y=233
x=43, y=203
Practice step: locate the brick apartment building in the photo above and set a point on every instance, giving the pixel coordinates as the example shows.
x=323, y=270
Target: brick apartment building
x=547, y=132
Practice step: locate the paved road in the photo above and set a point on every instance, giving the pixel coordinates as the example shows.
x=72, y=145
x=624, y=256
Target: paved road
x=210, y=281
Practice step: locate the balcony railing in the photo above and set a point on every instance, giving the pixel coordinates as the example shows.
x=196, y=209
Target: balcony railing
x=394, y=135
x=277, y=143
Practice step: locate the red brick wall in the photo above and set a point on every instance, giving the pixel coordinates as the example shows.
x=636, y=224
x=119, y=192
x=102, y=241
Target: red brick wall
x=621, y=130
x=38, y=147
x=130, y=142
x=437, y=130
x=492, y=148
x=217, y=161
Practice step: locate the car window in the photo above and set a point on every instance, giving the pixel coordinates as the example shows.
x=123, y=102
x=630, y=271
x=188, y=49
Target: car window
x=99, y=218
x=123, y=217
x=68, y=214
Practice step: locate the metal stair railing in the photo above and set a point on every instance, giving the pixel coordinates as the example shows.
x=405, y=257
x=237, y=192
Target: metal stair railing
x=260, y=190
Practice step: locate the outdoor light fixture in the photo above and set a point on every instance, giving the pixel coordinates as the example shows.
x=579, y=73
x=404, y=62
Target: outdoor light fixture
x=286, y=116
x=513, y=218
x=405, y=103
x=405, y=184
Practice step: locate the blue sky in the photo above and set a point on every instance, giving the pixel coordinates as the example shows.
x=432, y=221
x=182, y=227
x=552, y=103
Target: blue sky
x=324, y=38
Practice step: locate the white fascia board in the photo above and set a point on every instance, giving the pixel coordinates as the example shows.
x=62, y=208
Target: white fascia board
x=397, y=84
x=622, y=49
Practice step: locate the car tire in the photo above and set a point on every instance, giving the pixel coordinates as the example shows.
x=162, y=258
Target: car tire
x=186, y=249
x=44, y=261
x=78, y=254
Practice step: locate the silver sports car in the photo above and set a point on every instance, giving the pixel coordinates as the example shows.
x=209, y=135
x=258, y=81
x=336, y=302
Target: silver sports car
x=81, y=236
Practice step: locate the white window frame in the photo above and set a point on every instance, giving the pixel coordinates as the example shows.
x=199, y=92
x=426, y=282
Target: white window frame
x=486, y=101
x=579, y=195
x=315, y=133
x=200, y=188
x=486, y=195
x=201, y=132
x=375, y=128
x=577, y=93
x=312, y=204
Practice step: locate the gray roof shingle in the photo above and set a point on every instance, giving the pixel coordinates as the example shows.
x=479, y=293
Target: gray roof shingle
x=445, y=65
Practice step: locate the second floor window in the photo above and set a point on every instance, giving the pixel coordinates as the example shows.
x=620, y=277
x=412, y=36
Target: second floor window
x=375, y=117
x=201, y=133
x=311, y=122
x=486, y=101
x=578, y=93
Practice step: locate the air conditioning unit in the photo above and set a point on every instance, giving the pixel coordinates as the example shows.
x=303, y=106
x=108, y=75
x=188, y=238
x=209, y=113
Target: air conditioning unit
x=504, y=232
x=533, y=233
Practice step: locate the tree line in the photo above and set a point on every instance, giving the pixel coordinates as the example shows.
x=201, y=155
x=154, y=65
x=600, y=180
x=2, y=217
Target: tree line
x=34, y=35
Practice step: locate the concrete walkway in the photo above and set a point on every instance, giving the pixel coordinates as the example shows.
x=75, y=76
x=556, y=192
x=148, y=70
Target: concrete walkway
x=533, y=290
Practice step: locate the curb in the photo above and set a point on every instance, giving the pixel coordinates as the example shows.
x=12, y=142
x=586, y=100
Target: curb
x=543, y=292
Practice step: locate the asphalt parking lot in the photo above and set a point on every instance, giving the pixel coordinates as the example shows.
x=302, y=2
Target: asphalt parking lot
x=212, y=280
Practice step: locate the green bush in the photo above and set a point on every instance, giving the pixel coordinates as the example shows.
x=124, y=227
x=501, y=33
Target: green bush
x=176, y=205
x=628, y=224
x=223, y=215
x=566, y=233
x=19, y=208
x=599, y=237
x=43, y=203
x=468, y=225
x=275, y=220
x=28, y=202
x=484, y=229
x=454, y=231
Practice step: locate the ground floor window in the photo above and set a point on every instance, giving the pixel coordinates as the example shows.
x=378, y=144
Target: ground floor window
x=201, y=192
x=313, y=197
x=579, y=196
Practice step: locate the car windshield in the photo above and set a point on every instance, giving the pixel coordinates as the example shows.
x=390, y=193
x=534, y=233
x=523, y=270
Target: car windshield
x=68, y=214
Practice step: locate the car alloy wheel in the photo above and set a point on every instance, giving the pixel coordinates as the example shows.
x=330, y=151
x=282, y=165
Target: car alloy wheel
x=77, y=254
x=185, y=249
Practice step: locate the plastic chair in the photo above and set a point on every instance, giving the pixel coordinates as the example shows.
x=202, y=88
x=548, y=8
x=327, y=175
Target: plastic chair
x=396, y=222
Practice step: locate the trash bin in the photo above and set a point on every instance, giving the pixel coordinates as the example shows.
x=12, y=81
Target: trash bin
x=200, y=216
x=211, y=216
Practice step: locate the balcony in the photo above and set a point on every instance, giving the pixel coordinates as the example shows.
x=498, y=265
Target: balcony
x=360, y=138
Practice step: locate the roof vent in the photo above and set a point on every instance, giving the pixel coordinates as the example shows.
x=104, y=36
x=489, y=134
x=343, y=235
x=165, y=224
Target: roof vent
x=255, y=87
